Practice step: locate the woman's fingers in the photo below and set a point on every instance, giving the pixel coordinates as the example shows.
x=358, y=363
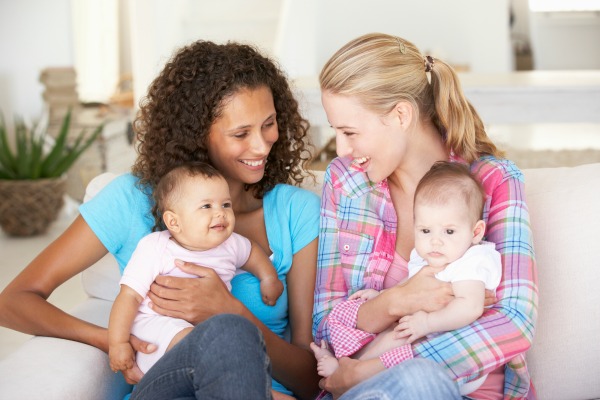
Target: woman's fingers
x=191, y=299
x=141, y=346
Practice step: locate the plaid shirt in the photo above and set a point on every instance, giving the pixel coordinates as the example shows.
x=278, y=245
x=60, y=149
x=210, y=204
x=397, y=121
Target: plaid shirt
x=356, y=248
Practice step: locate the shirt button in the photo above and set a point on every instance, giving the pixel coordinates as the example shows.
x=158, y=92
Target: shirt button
x=346, y=247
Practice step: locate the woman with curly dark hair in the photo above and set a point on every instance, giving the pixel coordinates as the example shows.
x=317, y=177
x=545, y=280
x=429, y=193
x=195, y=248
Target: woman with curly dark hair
x=231, y=107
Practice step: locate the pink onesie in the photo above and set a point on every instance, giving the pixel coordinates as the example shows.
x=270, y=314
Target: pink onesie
x=155, y=255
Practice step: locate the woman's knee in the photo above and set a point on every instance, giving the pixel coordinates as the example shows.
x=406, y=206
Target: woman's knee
x=230, y=330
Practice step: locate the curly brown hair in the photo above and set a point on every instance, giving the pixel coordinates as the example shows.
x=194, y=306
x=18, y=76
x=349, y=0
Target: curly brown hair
x=187, y=97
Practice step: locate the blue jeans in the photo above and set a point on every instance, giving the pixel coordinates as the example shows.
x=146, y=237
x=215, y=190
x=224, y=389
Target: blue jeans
x=222, y=358
x=418, y=379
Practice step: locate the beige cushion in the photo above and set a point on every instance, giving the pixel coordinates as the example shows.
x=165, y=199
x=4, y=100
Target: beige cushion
x=564, y=204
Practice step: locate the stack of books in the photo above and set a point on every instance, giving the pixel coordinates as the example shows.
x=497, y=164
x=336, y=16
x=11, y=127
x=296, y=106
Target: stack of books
x=60, y=94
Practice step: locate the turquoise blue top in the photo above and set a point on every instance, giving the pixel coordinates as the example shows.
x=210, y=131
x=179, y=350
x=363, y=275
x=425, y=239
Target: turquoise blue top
x=120, y=216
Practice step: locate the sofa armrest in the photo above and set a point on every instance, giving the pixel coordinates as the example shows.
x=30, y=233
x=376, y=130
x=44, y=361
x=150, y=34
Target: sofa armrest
x=57, y=369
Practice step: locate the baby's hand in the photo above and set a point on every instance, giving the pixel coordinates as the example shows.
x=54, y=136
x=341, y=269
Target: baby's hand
x=364, y=294
x=122, y=357
x=413, y=326
x=270, y=289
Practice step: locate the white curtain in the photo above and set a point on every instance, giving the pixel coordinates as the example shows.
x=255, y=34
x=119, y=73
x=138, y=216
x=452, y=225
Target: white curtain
x=96, y=48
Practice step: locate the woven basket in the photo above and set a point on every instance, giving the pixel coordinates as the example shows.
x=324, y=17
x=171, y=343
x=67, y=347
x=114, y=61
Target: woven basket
x=27, y=207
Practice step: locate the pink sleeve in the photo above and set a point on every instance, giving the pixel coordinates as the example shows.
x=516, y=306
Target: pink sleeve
x=143, y=267
x=241, y=248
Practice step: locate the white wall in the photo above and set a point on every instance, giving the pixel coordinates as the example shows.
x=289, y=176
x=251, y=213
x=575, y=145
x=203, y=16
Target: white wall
x=470, y=33
x=160, y=27
x=34, y=34
x=464, y=32
x=302, y=34
x=566, y=40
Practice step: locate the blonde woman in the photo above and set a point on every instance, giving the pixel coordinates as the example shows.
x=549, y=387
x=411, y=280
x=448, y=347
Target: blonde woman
x=396, y=112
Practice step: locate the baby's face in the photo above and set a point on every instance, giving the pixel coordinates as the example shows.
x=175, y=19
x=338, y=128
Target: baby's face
x=443, y=232
x=205, y=214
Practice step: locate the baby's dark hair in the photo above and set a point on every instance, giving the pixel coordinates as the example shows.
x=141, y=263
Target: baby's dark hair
x=167, y=190
x=446, y=180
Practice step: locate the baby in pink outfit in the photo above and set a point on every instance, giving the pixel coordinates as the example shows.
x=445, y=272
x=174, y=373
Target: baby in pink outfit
x=194, y=204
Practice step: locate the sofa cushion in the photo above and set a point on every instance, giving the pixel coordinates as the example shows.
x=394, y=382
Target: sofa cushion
x=564, y=204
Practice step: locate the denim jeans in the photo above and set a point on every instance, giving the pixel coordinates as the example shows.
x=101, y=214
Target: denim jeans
x=222, y=358
x=417, y=379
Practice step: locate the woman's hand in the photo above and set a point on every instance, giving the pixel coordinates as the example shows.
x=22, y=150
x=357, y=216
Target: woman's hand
x=133, y=375
x=192, y=299
x=344, y=377
x=350, y=373
x=490, y=298
x=424, y=292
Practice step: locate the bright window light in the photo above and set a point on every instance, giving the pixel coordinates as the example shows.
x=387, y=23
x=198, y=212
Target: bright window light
x=564, y=5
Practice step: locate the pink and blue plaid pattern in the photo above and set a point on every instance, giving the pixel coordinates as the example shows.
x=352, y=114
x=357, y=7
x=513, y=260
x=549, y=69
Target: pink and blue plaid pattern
x=356, y=247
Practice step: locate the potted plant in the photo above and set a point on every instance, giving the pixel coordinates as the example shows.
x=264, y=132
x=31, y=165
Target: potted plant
x=32, y=174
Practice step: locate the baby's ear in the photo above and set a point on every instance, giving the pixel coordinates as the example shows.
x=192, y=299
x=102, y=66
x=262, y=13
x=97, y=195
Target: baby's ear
x=478, y=231
x=171, y=221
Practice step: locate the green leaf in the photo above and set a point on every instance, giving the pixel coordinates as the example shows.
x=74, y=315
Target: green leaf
x=7, y=159
x=28, y=160
x=74, y=153
x=23, y=156
x=56, y=154
x=6, y=174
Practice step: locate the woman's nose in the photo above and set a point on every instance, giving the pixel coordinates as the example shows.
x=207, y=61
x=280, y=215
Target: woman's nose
x=259, y=144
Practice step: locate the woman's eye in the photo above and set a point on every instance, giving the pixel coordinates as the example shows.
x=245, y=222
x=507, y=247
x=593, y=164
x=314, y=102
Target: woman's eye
x=349, y=133
x=450, y=231
x=241, y=135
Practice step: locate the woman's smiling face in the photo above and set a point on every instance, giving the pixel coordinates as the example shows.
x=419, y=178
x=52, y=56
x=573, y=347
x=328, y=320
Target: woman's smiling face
x=374, y=142
x=240, y=140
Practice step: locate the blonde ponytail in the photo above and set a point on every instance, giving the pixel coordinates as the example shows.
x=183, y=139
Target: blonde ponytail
x=456, y=116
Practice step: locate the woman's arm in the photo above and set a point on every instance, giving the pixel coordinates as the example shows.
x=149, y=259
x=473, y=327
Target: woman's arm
x=330, y=287
x=24, y=301
x=422, y=292
x=301, y=375
x=175, y=297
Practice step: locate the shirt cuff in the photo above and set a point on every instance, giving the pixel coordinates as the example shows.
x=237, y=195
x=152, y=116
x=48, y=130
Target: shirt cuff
x=395, y=356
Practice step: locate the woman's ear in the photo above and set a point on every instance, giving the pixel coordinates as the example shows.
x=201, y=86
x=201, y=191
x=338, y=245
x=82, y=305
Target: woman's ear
x=171, y=221
x=478, y=231
x=405, y=113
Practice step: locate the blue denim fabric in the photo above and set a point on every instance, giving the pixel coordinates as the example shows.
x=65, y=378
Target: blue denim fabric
x=222, y=358
x=417, y=379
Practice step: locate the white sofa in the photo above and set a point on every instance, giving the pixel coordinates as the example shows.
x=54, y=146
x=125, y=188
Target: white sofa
x=564, y=204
